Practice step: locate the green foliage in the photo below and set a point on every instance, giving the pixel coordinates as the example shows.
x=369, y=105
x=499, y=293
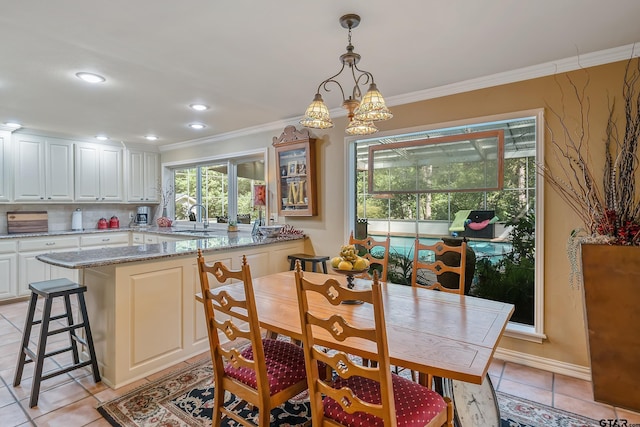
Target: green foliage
x=512, y=279
x=400, y=268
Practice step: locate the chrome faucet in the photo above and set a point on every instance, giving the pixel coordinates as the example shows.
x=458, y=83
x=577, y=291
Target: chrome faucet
x=205, y=221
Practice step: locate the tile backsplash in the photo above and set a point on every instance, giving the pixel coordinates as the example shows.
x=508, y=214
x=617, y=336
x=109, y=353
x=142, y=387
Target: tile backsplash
x=60, y=215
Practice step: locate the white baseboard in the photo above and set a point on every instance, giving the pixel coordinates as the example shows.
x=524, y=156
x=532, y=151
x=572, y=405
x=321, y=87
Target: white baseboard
x=551, y=365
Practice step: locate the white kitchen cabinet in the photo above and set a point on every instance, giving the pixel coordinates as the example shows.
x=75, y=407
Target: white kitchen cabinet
x=5, y=166
x=143, y=176
x=145, y=239
x=99, y=174
x=43, y=169
x=31, y=270
x=8, y=269
x=104, y=240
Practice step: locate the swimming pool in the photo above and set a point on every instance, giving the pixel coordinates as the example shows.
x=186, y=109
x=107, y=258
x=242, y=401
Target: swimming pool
x=403, y=246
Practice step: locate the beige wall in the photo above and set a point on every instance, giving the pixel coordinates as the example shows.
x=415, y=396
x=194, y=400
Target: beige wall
x=564, y=323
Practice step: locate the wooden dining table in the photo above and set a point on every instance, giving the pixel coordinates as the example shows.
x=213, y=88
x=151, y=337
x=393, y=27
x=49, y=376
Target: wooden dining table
x=443, y=334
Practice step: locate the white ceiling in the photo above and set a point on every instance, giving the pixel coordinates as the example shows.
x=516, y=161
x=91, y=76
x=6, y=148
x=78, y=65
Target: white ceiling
x=258, y=62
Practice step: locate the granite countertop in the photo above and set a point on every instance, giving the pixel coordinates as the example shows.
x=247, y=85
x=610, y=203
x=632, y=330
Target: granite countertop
x=187, y=232
x=118, y=255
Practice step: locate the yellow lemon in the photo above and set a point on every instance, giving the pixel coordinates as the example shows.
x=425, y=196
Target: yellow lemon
x=360, y=264
x=335, y=261
x=345, y=265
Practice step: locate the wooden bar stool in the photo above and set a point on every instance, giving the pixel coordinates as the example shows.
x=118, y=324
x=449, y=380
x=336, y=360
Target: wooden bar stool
x=50, y=289
x=313, y=259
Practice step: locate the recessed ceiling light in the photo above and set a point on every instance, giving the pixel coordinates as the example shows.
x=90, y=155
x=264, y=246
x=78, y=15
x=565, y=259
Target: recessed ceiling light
x=102, y=137
x=151, y=137
x=90, y=77
x=199, y=107
x=13, y=125
x=196, y=126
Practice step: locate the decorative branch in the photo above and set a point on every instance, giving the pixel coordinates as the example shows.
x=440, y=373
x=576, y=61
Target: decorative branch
x=611, y=209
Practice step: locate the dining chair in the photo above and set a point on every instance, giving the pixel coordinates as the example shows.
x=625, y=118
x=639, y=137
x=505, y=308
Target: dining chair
x=355, y=394
x=368, y=244
x=427, y=271
x=263, y=372
x=428, y=268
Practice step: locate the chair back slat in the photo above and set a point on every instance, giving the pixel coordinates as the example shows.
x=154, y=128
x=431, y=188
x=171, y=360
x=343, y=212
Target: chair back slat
x=436, y=266
x=340, y=329
x=238, y=321
x=333, y=291
x=368, y=244
x=318, y=337
x=347, y=366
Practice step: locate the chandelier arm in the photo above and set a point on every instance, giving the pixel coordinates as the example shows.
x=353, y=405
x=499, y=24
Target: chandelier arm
x=364, y=73
x=331, y=79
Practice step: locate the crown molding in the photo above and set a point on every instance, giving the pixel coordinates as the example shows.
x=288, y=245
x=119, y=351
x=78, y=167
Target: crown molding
x=521, y=74
x=541, y=70
x=272, y=126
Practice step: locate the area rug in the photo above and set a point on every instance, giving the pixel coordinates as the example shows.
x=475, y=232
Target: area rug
x=185, y=398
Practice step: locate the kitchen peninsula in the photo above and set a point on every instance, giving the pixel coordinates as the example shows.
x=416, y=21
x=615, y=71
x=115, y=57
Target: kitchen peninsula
x=141, y=299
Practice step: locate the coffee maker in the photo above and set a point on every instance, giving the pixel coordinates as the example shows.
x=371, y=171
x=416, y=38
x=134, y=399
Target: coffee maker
x=143, y=217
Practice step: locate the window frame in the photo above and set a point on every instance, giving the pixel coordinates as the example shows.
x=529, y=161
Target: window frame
x=533, y=333
x=232, y=160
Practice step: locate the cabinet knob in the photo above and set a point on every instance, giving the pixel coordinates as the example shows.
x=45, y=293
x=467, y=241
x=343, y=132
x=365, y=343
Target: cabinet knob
x=106, y=240
x=49, y=198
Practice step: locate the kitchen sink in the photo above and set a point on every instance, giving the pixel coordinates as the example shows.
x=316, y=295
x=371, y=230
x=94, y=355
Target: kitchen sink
x=199, y=232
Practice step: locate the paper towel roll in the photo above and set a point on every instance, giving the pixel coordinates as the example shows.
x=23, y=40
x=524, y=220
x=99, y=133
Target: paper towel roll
x=76, y=220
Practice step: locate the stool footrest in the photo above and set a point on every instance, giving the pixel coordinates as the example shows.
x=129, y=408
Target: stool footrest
x=67, y=369
x=33, y=356
x=59, y=316
x=66, y=329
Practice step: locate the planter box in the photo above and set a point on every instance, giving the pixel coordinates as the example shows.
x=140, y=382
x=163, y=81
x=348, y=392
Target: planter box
x=612, y=310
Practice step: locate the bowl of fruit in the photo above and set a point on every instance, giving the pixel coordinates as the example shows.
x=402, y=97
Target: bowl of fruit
x=349, y=263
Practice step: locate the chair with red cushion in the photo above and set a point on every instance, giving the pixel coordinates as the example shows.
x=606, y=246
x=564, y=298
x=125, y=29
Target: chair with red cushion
x=358, y=395
x=263, y=372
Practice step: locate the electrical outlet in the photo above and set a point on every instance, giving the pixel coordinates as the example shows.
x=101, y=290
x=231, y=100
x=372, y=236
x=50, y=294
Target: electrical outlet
x=273, y=218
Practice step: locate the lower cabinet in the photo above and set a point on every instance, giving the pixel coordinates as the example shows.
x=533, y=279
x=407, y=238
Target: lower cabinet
x=31, y=270
x=8, y=270
x=104, y=240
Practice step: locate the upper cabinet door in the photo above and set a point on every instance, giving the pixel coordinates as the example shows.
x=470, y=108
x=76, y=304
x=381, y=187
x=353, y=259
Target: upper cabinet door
x=43, y=169
x=135, y=173
x=111, y=178
x=98, y=173
x=59, y=170
x=87, y=172
x=143, y=173
x=152, y=177
x=5, y=167
x=29, y=168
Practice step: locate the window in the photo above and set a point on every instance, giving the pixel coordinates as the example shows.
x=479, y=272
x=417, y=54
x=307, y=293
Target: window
x=415, y=204
x=223, y=186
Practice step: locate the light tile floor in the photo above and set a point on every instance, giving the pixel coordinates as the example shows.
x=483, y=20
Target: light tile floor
x=69, y=400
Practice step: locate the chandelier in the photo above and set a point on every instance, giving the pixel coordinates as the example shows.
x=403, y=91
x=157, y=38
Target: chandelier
x=362, y=113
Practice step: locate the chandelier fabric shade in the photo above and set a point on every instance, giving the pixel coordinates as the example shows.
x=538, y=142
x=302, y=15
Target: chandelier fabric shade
x=361, y=113
x=317, y=115
x=372, y=107
x=359, y=127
